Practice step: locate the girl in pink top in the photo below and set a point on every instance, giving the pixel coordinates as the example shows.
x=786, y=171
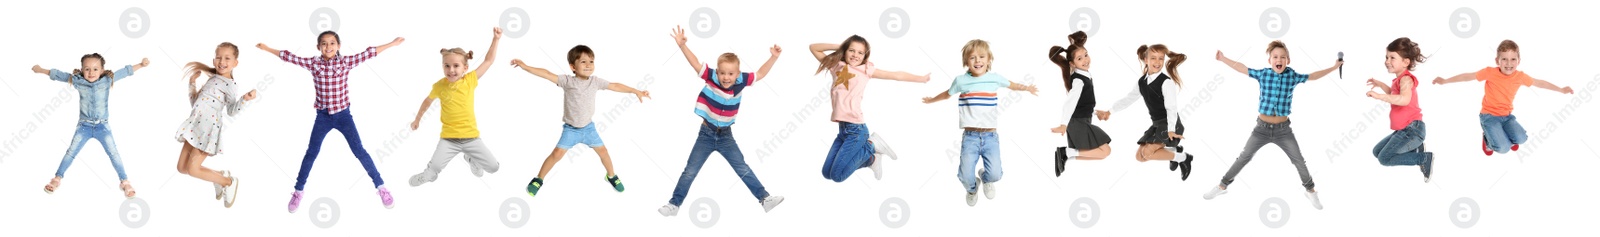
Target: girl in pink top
x=853, y=148
x=1404, y=146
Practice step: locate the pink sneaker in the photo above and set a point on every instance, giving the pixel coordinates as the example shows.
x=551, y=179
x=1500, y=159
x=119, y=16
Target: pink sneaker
x=388, y=199
x=294, y=200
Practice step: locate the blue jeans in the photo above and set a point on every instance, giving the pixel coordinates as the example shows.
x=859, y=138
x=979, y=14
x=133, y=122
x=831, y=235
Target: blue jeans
x=1502, y=131
x=98, y=131
x=720, y=140
x=850, y=151
x=1403, y=147
x=973, y=146
x=572, y=136
x=346, y=125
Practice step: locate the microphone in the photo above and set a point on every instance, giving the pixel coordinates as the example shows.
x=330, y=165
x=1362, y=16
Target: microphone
x=1341, y=67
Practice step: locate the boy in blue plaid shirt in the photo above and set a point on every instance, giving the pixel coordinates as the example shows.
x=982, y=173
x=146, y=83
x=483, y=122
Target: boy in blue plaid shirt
x=1272, y=126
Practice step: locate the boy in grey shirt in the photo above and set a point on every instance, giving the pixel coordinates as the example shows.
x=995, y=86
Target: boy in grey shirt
x=577, y=110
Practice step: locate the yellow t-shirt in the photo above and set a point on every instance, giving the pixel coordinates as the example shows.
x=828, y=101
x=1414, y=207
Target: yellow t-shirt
x=455, y=103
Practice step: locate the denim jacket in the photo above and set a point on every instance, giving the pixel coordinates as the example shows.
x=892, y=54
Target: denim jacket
x=92, y=96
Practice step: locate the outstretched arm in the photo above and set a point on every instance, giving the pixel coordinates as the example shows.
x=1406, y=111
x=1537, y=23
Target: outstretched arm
x=1551, y=86
x=263, y=47
x=1022, y=87
x=943, y=95
x=900, y=76
x=142, y=63
x=694, y=62
x=488, y=59
x=542, y=73
x=619, y=87
x=1324, y=72
x=1458, y=78
x=1235, y=65
x=397, y=41
x=426, y=102
x=766, y=67
x=55, y=75
x=1375, y=83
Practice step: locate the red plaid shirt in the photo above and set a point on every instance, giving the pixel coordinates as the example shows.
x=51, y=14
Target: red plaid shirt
x=331, y=77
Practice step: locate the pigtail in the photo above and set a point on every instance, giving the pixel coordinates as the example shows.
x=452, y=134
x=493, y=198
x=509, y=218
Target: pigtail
x=1173, y=59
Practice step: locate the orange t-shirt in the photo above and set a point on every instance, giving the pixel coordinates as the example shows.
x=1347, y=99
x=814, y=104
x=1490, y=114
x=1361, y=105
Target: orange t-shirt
x=1500, y=89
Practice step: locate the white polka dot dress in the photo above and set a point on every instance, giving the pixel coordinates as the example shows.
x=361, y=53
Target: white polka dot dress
x=203, y=128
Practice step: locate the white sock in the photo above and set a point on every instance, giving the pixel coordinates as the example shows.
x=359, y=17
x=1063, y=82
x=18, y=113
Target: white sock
x=1177, y=156
x=1071, y=153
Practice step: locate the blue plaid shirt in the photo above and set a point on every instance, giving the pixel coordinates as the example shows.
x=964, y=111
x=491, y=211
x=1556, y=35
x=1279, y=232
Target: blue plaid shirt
x=1277, y=89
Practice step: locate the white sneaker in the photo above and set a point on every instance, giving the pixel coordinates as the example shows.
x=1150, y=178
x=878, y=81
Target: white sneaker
x=972, y=199
x=218, y=187
x=877, y=168
x=770, y=202
x=230, y=193
x=988, y=188
x=1215, y=191
x=672, y=210
x=881, y=146
x=1317, y=203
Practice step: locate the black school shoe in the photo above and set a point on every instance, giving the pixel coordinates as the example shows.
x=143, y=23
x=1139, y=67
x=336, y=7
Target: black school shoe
x=1187, y=165
x=1061, y=160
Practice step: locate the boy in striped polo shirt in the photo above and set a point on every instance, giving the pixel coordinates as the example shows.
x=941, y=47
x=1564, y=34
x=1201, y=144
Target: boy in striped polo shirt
x=979, y=118
x=1272, y=126
x=717, y=105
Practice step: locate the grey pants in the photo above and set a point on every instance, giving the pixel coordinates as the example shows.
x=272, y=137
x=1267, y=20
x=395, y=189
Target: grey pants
x=477, y=155
x=1279, y=134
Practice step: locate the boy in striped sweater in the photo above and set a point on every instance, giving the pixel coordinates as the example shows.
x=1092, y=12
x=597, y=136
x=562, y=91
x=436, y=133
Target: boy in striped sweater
x=717, y=105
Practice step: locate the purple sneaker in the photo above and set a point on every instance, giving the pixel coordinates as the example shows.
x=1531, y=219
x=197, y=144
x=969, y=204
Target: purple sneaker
x=294, y=200
x=388, y=199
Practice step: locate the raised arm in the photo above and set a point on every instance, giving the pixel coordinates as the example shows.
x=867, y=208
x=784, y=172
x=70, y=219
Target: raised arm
x=426, y=102
x=1235, y=65
x=546, y=74
x=820, y=50
x=766, y=67
x=1551, y=86
x=619, y=87
x=263, y=47
x=900, y=76
x=488, y=59
x=142, y=63
x=683, y=44
x=397, y=41
x=1324, y=72
x=1458, y=78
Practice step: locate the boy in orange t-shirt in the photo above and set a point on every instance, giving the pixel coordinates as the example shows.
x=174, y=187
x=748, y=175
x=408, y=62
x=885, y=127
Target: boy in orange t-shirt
x=1501, y=132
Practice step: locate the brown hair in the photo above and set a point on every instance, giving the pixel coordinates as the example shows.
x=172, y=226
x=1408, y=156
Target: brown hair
x=973, y=46
x=96, y=56
x=1407, y=49
x=1276, y=44
x=1076, y=39
x=466, y=55
x=1508, y=46
x=578, y=51
x=193, y=68
x=728, y=58
x=1173, y=59
x=838, y=54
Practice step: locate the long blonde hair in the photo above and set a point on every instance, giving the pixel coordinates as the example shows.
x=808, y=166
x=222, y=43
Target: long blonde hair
x=193, y=68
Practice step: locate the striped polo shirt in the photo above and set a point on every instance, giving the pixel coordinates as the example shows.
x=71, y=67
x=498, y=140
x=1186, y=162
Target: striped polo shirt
x=718, y=105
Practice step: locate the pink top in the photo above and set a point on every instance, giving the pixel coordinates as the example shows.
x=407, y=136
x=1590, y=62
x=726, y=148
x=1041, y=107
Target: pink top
x=847, y=95
x=1400, y=116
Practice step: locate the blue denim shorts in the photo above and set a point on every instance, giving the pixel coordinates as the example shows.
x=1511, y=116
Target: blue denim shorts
x=572, y=136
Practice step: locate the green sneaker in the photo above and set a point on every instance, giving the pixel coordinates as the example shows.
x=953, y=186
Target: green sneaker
x=615, y=182
x=533, y=186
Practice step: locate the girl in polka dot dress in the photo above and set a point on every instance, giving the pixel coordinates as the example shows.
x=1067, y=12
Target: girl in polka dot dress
x=213, y=104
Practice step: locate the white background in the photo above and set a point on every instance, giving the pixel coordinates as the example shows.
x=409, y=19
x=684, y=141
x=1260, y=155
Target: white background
x=784, y=127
